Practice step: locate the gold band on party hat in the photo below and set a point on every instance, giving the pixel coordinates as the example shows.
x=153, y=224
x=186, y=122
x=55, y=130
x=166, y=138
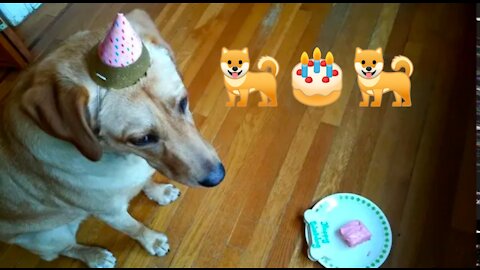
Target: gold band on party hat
x=117, y=77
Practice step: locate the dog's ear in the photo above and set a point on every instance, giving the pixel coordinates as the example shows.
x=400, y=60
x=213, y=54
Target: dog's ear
x=245, y=50
x=358, y=50
x=379, y=50
x=59, y=109
x=224, y=50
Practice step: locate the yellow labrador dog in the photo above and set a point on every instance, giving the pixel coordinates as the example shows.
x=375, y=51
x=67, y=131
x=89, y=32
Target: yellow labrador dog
x=70, y=149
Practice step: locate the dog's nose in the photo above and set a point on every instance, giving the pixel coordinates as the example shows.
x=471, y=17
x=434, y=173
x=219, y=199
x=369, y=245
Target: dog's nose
x=369, y=68
x=215, y=177
x=234, y=68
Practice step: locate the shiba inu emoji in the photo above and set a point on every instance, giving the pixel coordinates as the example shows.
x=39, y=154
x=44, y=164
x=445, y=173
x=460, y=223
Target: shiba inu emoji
x=373, y=81
x=239, y=81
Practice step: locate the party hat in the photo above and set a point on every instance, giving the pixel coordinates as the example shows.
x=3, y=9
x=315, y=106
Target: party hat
x=121, y=59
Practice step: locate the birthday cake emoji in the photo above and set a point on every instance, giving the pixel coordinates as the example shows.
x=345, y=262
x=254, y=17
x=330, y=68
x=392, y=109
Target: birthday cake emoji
x=317, y=81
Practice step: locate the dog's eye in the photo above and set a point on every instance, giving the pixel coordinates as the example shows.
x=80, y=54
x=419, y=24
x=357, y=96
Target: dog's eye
x=144, y=140
x=183, y=104
x=240, y=62
x=229, y=62
x=363, y=62
x=374, y=62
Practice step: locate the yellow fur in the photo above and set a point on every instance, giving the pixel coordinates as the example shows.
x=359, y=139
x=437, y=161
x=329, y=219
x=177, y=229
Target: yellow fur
x=400, y=61
x=249, y=81
x=380, y=81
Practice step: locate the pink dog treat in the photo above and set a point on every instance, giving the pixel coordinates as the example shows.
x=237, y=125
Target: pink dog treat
x=354, y=233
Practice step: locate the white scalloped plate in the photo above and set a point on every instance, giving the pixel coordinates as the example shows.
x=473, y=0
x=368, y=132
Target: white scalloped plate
x=333, y=211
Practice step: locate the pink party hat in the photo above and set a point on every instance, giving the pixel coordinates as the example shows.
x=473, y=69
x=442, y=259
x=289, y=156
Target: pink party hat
x=121, y=59
x=122, y=46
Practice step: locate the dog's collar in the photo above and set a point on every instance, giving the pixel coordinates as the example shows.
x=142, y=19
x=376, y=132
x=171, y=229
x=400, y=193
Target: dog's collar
x=96, y=129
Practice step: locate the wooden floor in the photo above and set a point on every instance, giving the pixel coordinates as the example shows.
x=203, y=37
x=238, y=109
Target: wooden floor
x=416, y=163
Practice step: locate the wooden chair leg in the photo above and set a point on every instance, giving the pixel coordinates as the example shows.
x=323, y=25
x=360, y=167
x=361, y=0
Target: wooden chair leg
x=13, y=52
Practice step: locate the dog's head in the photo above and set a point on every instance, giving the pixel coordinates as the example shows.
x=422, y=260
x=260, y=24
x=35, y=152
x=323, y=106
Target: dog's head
x=150, y=119
x=368, y=63
x=235, y=63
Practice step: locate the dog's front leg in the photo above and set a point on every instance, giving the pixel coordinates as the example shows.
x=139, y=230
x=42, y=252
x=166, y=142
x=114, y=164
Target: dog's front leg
x=243, y=97
x=163, y=194
x=365, y=99
x=377, y=98
x=231, y=99
x=154, y=242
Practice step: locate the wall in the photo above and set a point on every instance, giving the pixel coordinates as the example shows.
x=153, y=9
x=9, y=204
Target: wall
x=16, y=13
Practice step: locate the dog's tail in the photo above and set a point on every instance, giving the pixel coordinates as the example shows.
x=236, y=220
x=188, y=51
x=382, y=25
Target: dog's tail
x=266, y=62
x=401, y=61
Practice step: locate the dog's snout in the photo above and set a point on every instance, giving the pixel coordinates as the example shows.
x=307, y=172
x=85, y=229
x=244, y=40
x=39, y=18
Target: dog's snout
x=369, y=68
x=215, y=176
x=235, y=68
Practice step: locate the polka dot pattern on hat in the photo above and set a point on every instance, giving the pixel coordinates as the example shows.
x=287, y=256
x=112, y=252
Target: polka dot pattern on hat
x=120, y=39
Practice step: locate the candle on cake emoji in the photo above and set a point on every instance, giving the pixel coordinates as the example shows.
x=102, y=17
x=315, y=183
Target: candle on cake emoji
x=317, y=54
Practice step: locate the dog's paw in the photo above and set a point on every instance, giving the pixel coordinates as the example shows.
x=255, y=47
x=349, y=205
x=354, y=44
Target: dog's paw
x=155, y=243
x=163, y=194
x=363, y=104
x=100, y=258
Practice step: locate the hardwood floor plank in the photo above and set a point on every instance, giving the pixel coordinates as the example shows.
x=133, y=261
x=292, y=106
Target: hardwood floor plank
x=283, y=184
x=347, y=43
x=385, y=146
x=260, y=237
x=453, y=139
x=420, y=191
x=345, y=139
x=206, y=37
x=251, y=161
x=165, y=16
x=190, y=244
x=209, y=97
x=372, y=121
x=187, y=19
x=292, y=222
x=463, y=210
x=200, y=81
x=235, y=117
